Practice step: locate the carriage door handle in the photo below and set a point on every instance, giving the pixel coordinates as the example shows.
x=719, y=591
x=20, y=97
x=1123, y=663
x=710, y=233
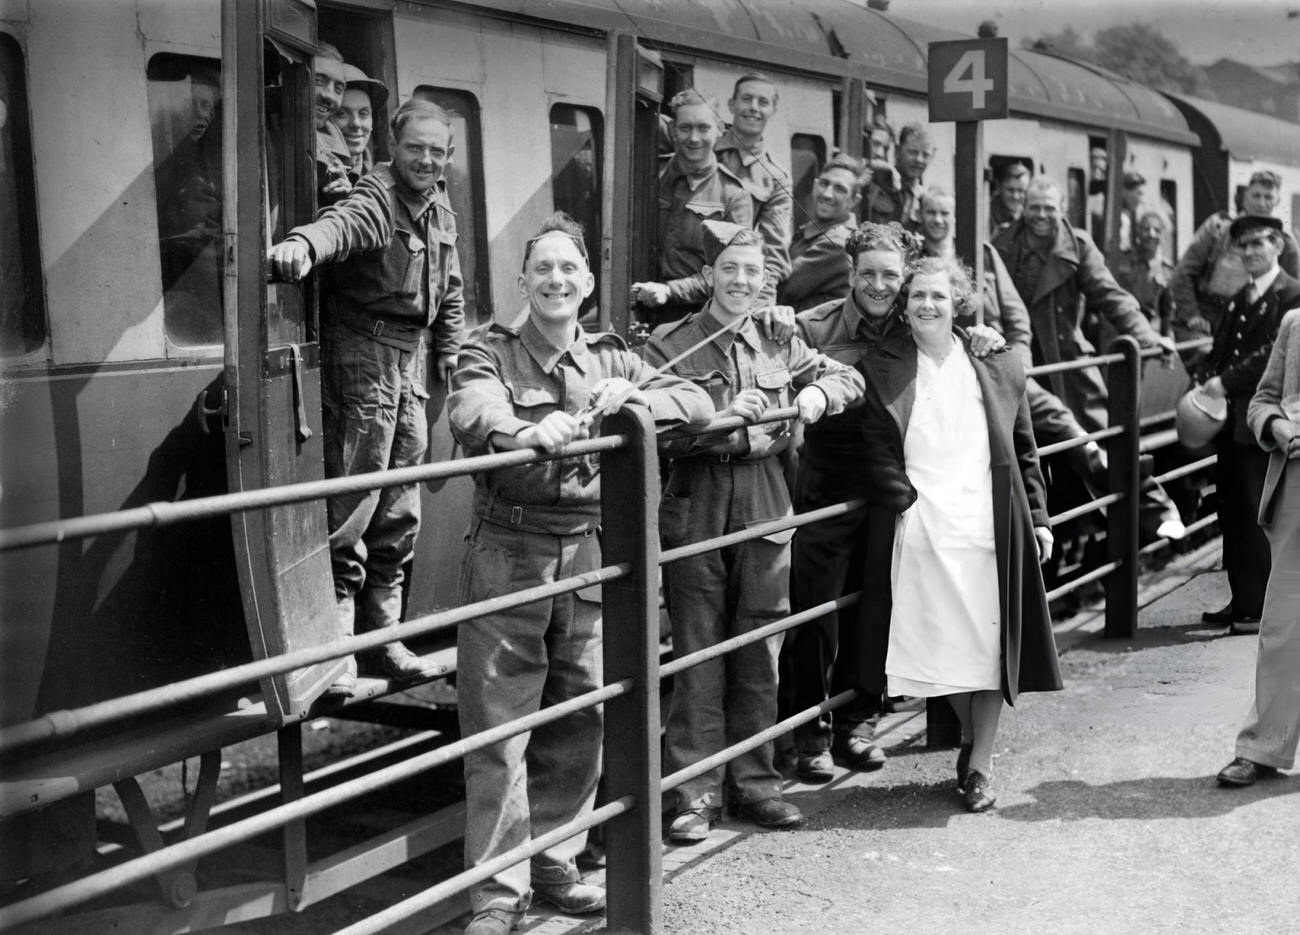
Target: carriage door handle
x=299, y=406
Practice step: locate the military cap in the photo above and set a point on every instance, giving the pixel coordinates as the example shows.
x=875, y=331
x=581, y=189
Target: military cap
x=358, y=80
x=718, y=236
x=1133, y=179
x=1249, y=222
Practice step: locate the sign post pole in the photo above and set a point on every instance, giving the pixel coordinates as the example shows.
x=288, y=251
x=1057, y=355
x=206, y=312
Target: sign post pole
x=968, y=85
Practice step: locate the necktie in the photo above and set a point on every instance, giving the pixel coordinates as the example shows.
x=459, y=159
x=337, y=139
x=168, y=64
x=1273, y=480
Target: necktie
x=1252, y=293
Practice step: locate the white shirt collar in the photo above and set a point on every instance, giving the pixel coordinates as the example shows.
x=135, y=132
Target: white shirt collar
x=1263, y=282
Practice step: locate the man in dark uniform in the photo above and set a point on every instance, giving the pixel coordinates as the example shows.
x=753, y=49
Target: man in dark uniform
x=819, y=268
x=530, y=385
x=393, y=298
x=753, y=102
x=693, y=187
x=1231, y=371
x=721, y=484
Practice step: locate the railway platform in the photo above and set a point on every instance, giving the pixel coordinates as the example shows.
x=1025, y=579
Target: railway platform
x=1108, y=819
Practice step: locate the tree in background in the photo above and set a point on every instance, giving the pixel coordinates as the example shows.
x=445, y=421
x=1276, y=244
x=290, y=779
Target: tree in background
x=1138, y=51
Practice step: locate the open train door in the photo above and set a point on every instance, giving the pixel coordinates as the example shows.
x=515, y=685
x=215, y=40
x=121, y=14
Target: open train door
x=635, y=86
x=272, y=366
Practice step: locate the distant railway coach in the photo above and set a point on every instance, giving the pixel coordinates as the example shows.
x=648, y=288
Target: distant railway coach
x=151, y=150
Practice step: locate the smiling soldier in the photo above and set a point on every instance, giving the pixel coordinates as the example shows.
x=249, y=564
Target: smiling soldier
x=819, y=271
x=528, y=385
x=394, y=296
x=721, y=484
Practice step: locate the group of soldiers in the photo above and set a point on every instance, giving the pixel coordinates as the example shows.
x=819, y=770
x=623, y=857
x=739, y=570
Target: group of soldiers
x=734, y=265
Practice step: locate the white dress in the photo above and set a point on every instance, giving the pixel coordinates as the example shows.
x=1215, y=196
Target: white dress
x=945, y=627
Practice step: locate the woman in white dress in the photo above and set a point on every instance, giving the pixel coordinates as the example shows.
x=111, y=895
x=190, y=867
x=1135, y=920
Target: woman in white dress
x=952, y=450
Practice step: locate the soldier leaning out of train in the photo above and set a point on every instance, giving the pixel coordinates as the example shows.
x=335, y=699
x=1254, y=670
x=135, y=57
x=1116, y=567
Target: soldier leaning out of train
x=819, y=271
x=332, y=158
x=753, y=102
x=894, y=193
x=1211, y=272
x=393, y=296
x=724, y=483
x=355, y=118
x=693, y=187
x=540, y=383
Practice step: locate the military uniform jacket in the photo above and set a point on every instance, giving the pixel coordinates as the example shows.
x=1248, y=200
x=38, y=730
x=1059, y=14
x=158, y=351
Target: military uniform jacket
x=882, y=202
x=1242, y=345
x=848, y=335
x=684, y=204
x=744, y=359
x=819, y=267
x=396, y=265
x=769, y=189
x=1148, y=282
x=509, y=378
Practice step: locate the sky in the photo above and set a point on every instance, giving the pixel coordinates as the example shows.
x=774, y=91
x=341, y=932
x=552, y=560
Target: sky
x=1253, y=31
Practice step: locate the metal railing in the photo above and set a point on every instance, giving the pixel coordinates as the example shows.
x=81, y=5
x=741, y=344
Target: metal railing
x=631, y=694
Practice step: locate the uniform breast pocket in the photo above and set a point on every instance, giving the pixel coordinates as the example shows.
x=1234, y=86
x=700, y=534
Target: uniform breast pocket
x=404, y=263
x=445, y=244
x=533, y=402
x=705, y=210
x=713, y=382
x=776, y=384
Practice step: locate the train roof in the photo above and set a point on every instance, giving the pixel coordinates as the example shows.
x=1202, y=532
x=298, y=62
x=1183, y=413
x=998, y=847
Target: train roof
x=1243, y=134
x=813, y=34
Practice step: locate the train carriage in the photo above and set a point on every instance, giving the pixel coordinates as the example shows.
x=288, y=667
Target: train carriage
x=152, y=149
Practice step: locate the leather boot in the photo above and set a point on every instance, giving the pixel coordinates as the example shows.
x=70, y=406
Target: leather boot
x=376, y=610
x=345, y=684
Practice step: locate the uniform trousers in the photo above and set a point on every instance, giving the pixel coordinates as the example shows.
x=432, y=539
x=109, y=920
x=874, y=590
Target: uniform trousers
x=821, y=658
x=714, y=597
x=1240, y=484
x=1273, y=725
x=514, y=663
x=373, y=399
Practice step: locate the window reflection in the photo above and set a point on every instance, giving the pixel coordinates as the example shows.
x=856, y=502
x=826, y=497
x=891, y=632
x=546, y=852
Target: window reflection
x=184, y=95
x=576, y=148
x=464, y=175
x=22, y=316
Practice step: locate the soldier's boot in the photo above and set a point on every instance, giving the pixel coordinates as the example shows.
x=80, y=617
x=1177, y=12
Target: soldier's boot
x=378, y=609
x=345, y=685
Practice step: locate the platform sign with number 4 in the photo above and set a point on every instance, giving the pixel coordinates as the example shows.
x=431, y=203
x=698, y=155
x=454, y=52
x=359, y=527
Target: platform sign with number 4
x=968, y=80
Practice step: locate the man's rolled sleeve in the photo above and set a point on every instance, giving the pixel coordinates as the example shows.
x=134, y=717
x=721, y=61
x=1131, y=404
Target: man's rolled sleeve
x=479, y=404
x=362, y=221
x=840, y=384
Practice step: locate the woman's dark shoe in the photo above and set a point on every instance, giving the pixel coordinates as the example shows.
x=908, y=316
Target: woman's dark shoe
x=978, y=796
x=963, y=765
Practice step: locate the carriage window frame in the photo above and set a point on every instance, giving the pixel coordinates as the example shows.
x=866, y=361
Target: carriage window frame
x=1168, y=206
x=564, y=164
x=192, y=301
x=32, y=332
x=801, y=181
x=468, y=196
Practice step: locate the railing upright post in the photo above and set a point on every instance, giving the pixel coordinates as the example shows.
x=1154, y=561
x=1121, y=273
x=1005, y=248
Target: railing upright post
x=1122, y=451
x=630, y=533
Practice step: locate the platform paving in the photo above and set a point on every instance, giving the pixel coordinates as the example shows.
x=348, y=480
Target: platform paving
x=1108, y=818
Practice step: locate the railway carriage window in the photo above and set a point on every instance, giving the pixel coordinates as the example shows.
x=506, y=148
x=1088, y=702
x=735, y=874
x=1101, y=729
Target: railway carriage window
x=1167, y=207
x=807, y=155
x=290, y=185
x=577, y=143
x=184, y=95
x=1076, y=206
x=464, y=176
x=22, y=310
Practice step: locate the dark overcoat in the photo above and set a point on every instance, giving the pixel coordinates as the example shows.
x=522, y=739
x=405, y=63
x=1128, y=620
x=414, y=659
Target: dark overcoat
x=1029, y=660
x=1074, y=281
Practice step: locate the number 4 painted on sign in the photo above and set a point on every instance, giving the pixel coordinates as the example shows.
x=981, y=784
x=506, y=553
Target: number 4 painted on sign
x=968, y=76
